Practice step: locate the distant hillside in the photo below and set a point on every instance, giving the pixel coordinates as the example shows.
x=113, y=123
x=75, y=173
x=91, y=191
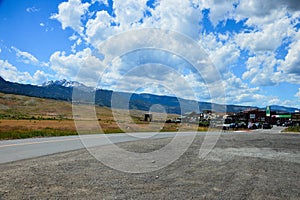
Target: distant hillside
x=62, y=90
x=283, y=109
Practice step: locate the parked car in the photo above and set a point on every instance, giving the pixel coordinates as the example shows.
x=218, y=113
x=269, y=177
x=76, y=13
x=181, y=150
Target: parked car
x=278, y=123
x=287, y=124
x=267, y=126
x=242, y=125
x=232, y=125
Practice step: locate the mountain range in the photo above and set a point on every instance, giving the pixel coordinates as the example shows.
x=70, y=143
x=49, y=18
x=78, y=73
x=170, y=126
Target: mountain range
x=63, y=90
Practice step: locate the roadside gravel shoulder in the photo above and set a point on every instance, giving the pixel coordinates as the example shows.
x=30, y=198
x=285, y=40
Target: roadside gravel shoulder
x=244, y=166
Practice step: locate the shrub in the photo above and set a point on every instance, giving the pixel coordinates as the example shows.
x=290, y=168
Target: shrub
x=293, y=129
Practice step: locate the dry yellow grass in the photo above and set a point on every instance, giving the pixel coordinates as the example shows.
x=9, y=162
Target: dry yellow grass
x=10, y=125
x=21, y=113
x=26, y=107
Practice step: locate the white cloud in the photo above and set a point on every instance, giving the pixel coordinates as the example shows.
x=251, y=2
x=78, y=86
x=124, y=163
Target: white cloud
x=249, y=99
x=73, y=37
x=222, y=54
x=11, y=73
x=269, y=23
x=261, y=12
x=99, y=29
x=79, y=41
x=32, y=9
x=256, y=9
x=290, y=66
x=25, y=57
x=40, y=77
x=42, y=24
x=268, y=37
x=274, y=101
x=219, y=10
x=261, y=70
x=129, y=13
x=28, y=58
x=70, y=14
x=239, y=92
x=69, y=66
x=271, y=26
x=298, y=94
x=177, y=15
x=289, y=103
x=155, y=79
x=74, y=46
x=105, y=2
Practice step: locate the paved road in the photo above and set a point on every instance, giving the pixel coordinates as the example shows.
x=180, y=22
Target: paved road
x=13, y=150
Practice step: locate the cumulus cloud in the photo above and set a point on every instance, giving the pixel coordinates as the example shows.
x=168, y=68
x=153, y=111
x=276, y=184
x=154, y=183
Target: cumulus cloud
x=156, y=79
x=291, y=64
x=222, y=54
x=68, y=66
x=263, y=11
x=260, y=70
x=129, y=12
x=100, y=28
x=70, y=14
x=268, y=37
x=239, y=92
x=219, y=10
x=269, y=24
x=11, y=73
x=179, y=16
x=40, y=77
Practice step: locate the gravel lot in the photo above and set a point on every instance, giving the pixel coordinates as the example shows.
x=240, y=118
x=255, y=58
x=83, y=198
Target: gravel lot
x=241, y=166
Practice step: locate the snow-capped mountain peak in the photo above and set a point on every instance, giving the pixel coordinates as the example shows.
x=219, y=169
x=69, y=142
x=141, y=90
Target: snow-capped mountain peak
x=64, y=83
x=68, y=84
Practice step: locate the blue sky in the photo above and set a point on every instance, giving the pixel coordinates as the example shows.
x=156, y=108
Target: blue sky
x=254, y=45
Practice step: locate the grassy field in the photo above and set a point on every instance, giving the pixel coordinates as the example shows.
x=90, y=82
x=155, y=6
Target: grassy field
x=24, y=117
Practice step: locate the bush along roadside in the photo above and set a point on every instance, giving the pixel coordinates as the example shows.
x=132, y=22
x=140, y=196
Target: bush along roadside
x=47, y=132
x=293, y=129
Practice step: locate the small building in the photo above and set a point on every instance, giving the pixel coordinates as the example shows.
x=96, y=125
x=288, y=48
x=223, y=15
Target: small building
x=295, y=117
x=148, y=117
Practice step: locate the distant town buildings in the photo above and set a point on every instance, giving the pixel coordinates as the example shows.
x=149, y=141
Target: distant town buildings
x=260, y=116
x=255, y=116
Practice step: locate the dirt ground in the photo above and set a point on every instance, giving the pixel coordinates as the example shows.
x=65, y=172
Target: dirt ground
x=241, y=166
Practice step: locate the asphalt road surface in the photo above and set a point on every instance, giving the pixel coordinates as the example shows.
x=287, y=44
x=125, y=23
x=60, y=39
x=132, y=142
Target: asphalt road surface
x=13, y=150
